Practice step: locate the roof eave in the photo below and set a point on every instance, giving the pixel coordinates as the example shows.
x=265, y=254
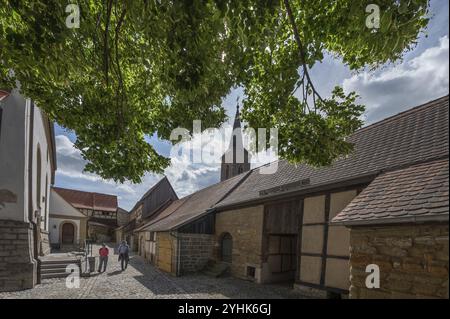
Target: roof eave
x=393, y=221
x=361, y=180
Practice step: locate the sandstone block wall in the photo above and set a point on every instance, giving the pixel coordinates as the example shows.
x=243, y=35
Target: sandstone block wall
x=246, y=229
x=195, y=251
x=413, y=261
x=18, y=270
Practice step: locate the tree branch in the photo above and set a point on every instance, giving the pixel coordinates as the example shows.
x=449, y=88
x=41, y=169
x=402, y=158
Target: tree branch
x=105, y=41
x=300, y=47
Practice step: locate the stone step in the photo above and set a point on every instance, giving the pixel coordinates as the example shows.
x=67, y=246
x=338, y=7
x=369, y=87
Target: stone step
x=56, y=268
x=53, y=270
x=55, y=275
x=60, y=266
x=60, y=261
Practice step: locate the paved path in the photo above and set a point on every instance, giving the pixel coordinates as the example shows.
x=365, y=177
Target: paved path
x=142, y=280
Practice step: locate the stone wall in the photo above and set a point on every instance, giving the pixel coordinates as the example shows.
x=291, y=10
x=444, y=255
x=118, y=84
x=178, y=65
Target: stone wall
x=45, y=243
x=413, y=261
x=245, y=226
x=195, y=251
x=18, y=270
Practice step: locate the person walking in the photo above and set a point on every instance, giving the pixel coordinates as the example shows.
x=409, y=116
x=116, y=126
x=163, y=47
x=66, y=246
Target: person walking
x=103, y=252
x=124, y=254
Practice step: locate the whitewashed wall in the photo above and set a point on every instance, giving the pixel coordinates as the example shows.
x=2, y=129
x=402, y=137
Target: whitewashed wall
x=55, y=224
x=14, y=154
x=13, y=158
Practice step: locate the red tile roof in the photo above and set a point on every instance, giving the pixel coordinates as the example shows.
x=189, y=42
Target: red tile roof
x=416, y=193
x=88, y=200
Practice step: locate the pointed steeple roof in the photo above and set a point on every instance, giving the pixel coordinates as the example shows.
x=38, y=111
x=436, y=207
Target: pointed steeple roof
x=237, y=118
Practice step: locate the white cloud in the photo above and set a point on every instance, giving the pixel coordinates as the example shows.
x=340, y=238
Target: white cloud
x=403, y=86
x=185, y=175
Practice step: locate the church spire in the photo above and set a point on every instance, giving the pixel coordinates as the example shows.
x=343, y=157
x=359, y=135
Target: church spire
x=237, y=118
x=236, y=159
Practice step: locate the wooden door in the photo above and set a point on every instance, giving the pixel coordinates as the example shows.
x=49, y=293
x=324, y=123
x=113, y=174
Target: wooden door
x=68, y=233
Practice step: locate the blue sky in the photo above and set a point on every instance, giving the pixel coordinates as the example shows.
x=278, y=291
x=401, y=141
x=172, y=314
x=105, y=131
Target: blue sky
x=420, y=77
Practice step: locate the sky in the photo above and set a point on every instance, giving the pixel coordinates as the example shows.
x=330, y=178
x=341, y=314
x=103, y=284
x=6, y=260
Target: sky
x=421, y=76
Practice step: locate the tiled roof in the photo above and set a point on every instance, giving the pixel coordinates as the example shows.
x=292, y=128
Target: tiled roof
x=88, y=200
x=417, y=135
x=169, y=210
x=415, y=193
x=194, y=206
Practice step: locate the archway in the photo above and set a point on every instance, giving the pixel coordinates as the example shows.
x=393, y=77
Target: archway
x=226, y=248
x=68, y=233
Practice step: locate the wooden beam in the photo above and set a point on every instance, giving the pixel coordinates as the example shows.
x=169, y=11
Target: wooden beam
x=325, y=238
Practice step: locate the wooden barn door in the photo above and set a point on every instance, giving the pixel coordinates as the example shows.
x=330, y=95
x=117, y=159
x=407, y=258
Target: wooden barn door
x=280, y=239
x=68, y=233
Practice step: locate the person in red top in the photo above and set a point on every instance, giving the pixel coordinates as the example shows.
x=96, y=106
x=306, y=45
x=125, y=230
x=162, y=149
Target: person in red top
x=103, y=252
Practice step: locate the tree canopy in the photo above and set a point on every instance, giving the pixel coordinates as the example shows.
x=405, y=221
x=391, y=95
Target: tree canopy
x=136, y=68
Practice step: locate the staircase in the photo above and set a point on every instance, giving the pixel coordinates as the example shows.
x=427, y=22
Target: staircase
x=218, y=269
x=57, y=268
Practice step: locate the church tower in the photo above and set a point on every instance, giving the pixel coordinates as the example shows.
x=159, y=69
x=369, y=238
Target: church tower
x=236, y=159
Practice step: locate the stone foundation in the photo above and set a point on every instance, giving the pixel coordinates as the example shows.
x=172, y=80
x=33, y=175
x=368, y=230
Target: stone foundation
x=18, y=270
x=195, y=251
x=45, y=243
x=413, y=261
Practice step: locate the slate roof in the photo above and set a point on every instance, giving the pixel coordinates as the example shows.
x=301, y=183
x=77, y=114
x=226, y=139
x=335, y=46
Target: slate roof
x=88, y=200
x=415, y=193
x=193, y=206
x=416, y=135
x=166, y=212
x=163, y=182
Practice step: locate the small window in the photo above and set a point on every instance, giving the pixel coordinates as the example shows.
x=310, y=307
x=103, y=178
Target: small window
x=251, y=271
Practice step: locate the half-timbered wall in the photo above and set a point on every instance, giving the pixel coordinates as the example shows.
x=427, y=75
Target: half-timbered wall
x=323, y=250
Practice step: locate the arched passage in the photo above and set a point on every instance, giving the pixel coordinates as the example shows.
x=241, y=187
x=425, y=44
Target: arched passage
x=67, y=233
x=226, y=248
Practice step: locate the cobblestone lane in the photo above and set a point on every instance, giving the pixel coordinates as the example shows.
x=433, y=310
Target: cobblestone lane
x=142, y=280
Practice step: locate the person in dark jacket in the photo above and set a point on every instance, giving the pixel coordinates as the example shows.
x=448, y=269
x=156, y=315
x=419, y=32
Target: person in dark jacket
x=124, y=250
